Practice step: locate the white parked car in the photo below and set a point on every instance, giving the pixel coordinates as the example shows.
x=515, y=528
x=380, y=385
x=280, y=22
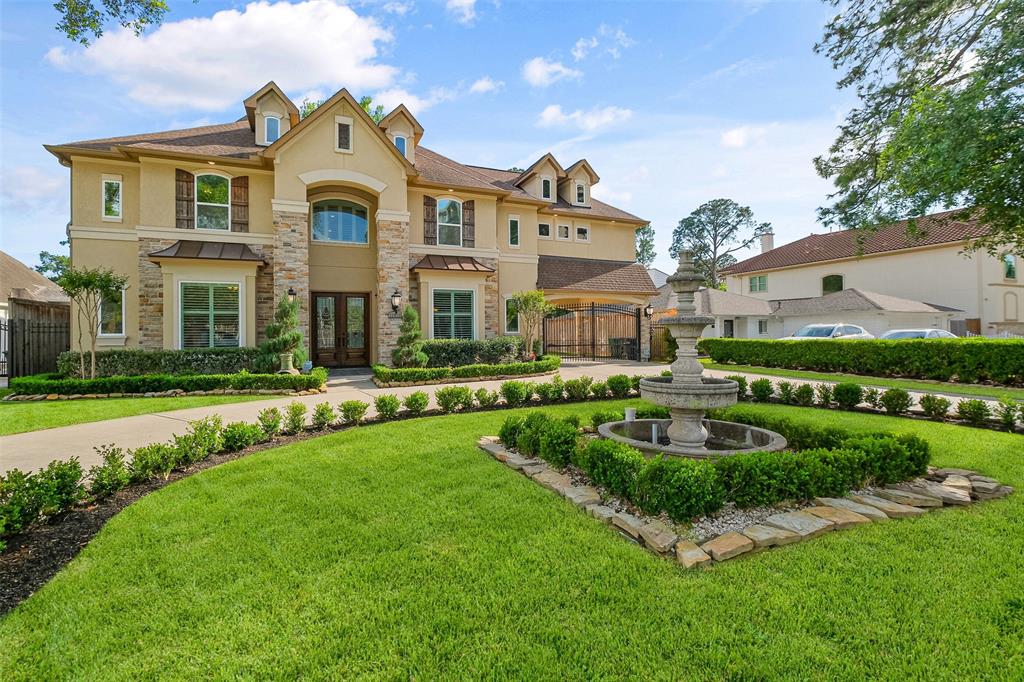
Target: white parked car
x=896, y=334
x=836, y=330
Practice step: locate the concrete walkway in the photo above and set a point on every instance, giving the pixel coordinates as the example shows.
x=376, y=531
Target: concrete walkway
x=35, y=449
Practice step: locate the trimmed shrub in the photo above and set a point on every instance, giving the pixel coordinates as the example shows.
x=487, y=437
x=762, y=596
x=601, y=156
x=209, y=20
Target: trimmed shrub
x=682, y=488
x=202, y=439
x=824, y=394
x=558, y=441
x=552, y=391
x=974, y=412
x=765, y=478
x=605, y=416
x=599, y=389
x=155, y=383
x=58, y=486
x=323, y=416
x=804, y=395
x=500, y=350
x=1006, y=412
x=270, y=421
x=761, y=389
x=240, y=435
x=295, y=417
x=452, y=398
x=387, y=406
x=648, y=411
x=388, y=375
x=486, y=398
x=619, y=385
x=150, y=461
x=578, y=389
x=113, y=475
x=613, y=466
x=741, y=381
x=934, y=406
x=515, y=393
x=353, y=411
x=890, y=459
x=847, y=395
x=528, y=440
x=416, y=403
x=634, y=382
x=19, y=503
x=965, y=360
x=508, y=434
x=873, y=398
x=896, y=401
x=124, y=362
x=786, y=393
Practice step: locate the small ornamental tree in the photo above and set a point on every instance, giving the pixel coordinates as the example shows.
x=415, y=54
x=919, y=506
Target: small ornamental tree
x=532, y=308
x=283, y=336
x=409, y=352
x=87, y=287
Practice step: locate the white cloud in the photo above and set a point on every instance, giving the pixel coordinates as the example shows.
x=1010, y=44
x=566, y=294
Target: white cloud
x=397, y=8
x=613, y=40
x=738, y=138
x=464, y=11
x=25, y=187
x=540, y=72
x=582, y=47
x=211, y=63
x=392, y=97
x=590, y=121
x=486, y=84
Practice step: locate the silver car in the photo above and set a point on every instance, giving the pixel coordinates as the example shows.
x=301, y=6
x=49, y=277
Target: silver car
x=835, y=330
x=897, y=334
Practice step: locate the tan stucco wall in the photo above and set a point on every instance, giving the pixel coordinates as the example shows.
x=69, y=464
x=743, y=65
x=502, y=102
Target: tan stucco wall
x=122, y=258
x=87, y=193
x=608, y=241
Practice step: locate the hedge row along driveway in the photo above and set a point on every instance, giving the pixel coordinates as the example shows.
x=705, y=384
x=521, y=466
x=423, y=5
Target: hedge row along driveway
x=964, y=360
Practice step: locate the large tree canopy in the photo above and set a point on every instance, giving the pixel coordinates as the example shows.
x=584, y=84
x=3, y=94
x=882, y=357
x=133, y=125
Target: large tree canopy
x=715, y=231
x=645, y=252
x=83, y=20
x=941, y=116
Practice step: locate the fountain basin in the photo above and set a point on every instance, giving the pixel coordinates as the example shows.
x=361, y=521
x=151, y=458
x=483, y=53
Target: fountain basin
x=708, y=394
x=724, y=438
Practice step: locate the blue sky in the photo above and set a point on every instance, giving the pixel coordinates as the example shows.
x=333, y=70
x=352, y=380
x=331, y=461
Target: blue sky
x=673, y=104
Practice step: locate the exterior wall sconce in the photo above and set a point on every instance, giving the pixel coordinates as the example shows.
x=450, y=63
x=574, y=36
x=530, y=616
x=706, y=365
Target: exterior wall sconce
x=396, y=301
x=291, y=294
x=649, y=310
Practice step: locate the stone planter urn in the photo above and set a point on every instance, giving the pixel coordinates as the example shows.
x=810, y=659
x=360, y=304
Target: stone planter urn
x=286, y=364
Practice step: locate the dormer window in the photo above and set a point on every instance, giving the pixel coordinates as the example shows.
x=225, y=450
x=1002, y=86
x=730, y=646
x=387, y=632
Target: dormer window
x=581, y=193
x=400, y=143
x=343, y=134
x=545, y=188
x=272, y=129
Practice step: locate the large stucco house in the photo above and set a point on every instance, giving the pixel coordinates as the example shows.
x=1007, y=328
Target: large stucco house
x=213, y=225
x=928, y=280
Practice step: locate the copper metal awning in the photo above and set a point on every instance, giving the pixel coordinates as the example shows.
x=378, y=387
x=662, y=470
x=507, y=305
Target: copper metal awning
x=453, y=263
x=187, y=248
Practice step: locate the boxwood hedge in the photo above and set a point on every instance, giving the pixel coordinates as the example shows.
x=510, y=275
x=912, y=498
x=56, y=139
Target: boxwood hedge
x=154, y=383
x=393, y=375
x=963, y=360
x=135, y=361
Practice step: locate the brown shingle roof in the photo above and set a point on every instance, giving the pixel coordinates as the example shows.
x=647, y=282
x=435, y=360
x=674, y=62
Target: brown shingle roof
x=186, y=248
x=17, y=280
x=588, y=274
x=235, y=140
x=849, y=300
x=933, y=229
x=457, y=263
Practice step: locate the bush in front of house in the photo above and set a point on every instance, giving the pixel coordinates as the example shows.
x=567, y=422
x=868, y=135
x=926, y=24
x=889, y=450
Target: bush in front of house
x=761, y=390
x=1006, y=413
x=323, y=416
x=399, y=375
x=550, y=391
x=26, y=498
x=896, y=401
x=508, y=434
x=203, y=438
x=599, y=390
x=974, y=412
x=559, y=439
x=112, y=475
x=786, y=393
x=501, y=350
x=965, y=360
x=682, y=488
x=487, y=398
x=611, y=465
x=741, y=382
x=353, y=411
x=152, y=461
x=824, y=395
x=135, y=362
x=416, y=403
x=804, y=395
x=578, y=389
x=528, y=437
x=847, y=395
x=387, y=405
x=516, y=393
x=295, y=417
x=240, y=435
x=452, y=398
x=934, y=406
x=45, y=384
x=270, y=421
x=619, y=385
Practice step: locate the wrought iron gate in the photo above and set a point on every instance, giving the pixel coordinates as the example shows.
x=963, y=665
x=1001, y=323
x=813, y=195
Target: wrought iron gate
x=32, y=347
x=592, y=331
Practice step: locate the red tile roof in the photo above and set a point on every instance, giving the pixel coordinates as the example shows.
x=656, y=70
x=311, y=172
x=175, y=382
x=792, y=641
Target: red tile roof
x=930, y=230
x=588, y=274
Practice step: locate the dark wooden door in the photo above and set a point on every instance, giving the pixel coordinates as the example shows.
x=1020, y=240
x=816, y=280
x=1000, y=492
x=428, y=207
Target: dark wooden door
x=341, y=329
x=727, y=329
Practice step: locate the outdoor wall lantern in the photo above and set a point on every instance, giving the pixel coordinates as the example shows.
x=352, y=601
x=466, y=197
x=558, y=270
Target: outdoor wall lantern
x=396, y=300
x=291, y=294
x=649, y=310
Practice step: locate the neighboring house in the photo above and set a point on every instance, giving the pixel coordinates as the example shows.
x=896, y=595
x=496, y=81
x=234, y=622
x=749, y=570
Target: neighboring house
x=984, y=293
x=26, y=294
x=213, y=225
x=735, y=316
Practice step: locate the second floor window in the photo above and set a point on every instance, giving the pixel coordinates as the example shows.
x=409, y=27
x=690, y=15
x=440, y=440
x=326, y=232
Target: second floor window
x=544, y=230
x=582, y=233
x=112, y=198
x=449, y=222
x=758, y=283
x=400, y=143
x=563, y=232
x=581, y=194
x=545, y=188
x=831, y=284
x=213, y=202
x=273, y=131
x=340, y=221
x=513, y=231
x=1009, y=266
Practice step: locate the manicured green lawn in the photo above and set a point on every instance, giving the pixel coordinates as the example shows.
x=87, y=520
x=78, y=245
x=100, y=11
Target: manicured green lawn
x=969, y=390
x=19, y=417
x=400, y=551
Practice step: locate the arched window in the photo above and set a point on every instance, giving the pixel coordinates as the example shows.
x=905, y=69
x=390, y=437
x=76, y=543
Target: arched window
x=449, y=222
x=831, y=284
x=213, y=202
x=273, y=128
x=400, y=143
x=344, y=222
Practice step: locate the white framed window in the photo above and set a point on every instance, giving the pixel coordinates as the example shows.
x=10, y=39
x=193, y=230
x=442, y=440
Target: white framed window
x=210, y=314
x=271, y=129
x=762, y=327
x=513, y=231
x=563, y=233
x=453, y=315
x=213, y=202
x=544, y=230
x=111, y=317
x=545, y=187
x=340, y=221
x=1009, y=266
x=511, y=317
x=449, y=222
x=758, y=283
x=581, y=193
x=112, y=189
x=400, y=143
x=343, y=134
x=582, y=233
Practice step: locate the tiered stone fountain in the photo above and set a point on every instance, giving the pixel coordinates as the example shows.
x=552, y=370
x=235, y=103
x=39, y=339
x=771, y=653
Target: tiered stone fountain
x=688, y=393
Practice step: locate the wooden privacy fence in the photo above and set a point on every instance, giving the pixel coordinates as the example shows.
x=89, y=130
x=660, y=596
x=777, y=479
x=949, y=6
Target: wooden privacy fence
x=32, y=347
x=663, y=346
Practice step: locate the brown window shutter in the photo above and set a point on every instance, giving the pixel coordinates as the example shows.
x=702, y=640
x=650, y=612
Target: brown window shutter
x=240, y=204
x=184, y=200
x=469, y=224
x=429, y=220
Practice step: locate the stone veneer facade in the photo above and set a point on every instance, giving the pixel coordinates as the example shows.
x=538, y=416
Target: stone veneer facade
x=151, y=294
x=290, y=266
x=392, y=275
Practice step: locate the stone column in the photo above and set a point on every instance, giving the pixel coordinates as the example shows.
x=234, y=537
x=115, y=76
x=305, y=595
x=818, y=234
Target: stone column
x=151, y=295
x=494, y=324
x=645, y=336
x=392, y=275
x=290, y=258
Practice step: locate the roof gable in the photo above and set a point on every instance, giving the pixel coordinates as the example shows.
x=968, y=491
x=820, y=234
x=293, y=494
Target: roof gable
x=585, y=166
x=401, y=111
x=535, y=167
x=251, y=101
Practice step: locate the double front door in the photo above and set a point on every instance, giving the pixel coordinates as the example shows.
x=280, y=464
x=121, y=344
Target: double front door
x=341, y=329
